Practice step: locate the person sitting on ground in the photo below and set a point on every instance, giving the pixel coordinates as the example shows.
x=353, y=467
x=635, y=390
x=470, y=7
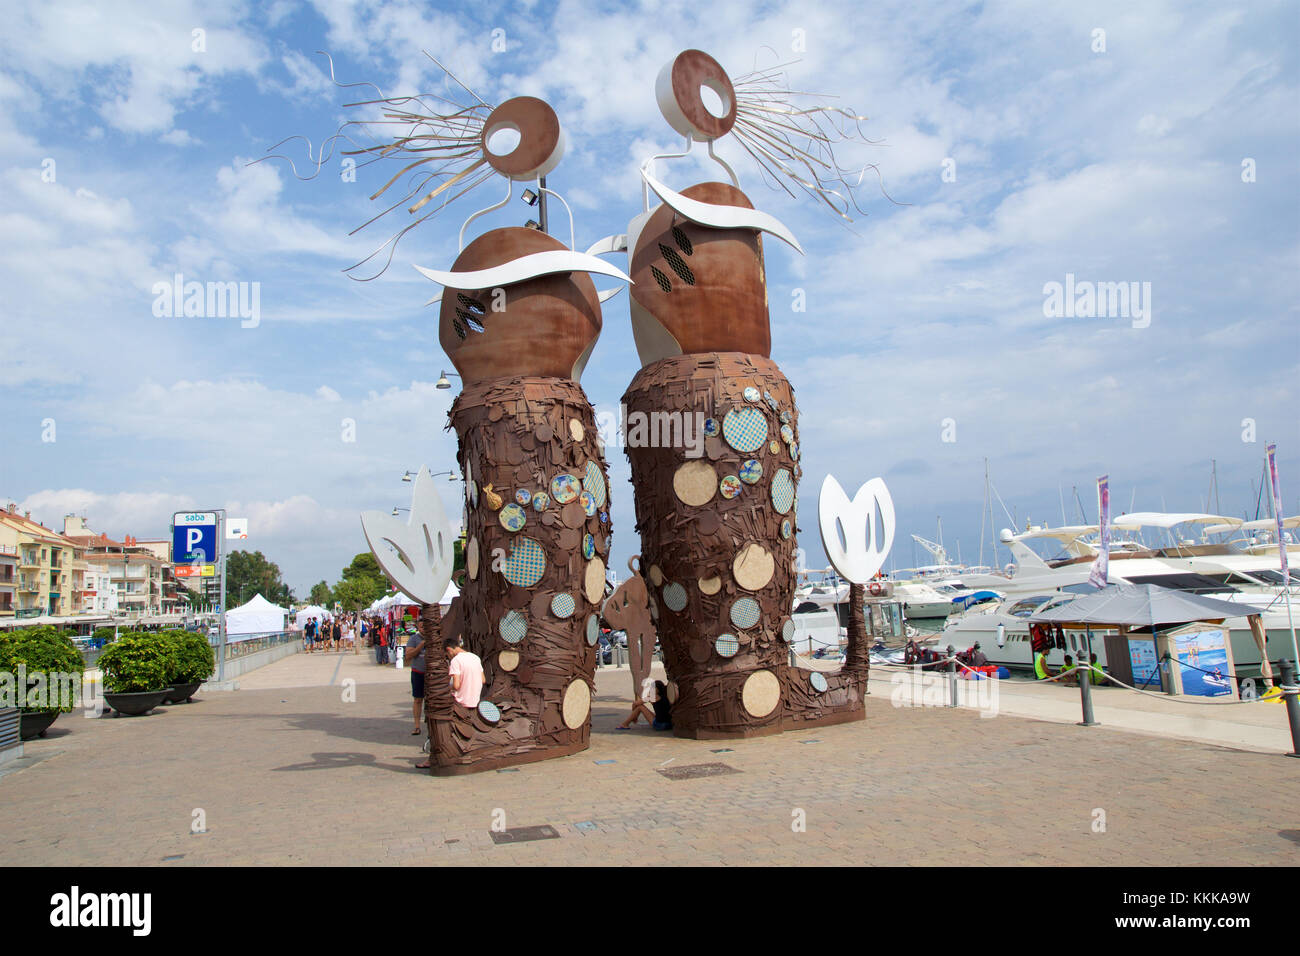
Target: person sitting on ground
x=977, y=657
x=1095, y=674
x=1071, y=679
x=1041, y=670
x=663, y=709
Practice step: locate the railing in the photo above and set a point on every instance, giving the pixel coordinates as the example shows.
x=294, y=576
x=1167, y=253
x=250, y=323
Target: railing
x=252, y=645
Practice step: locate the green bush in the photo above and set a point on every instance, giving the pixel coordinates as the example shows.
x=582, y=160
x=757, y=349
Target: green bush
x=49, y=658
x=193, y=660
x=136, y=662
x=102, y=634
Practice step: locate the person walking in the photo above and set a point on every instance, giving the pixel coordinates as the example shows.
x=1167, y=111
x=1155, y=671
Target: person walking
x=414, y=651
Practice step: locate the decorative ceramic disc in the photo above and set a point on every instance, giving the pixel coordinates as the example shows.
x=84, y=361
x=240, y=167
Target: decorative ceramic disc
x=760, y=693
x=729, y=486
x=818, y=682
x=540, y=501
x=576, y=431
x=523, y=496
x=513, y=627
x=471, y=558
x=782, y=491
x=787, y=630
x=785, y=418
x=675, y=597
x=774, y=447
x=744, y=613
x=489, y=711
x=787, y=434
x=588, y=547
x=512, y=517
x=785, y=528
x=745, y=429
x=564, y=488
x=751, y=394
x=709, y=585
x=726, y=645
x=751, y=471
x=588, y=504
x=593, y=582
x=577, y=704
x=594, y=482
x=695, y=483
x=526, y=564
x=562, y=605
x=753, y=567
x=593, y=630
x=710, y=427
x=794, y=450
x=508, y=660
x=471, y=491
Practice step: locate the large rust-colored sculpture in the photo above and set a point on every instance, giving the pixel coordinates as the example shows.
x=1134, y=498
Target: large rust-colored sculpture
x=718, y=529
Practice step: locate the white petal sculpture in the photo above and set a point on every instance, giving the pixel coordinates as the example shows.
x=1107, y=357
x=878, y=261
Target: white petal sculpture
x=416, y=554
x=865, y=546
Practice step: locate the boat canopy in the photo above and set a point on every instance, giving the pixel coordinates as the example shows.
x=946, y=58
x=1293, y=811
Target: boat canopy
x=1160, y=519
x=1261, y=524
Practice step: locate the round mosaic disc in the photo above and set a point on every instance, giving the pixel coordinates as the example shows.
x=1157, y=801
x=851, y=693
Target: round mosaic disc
x=513, y=627
x=787, y=630
x=785, y=528
x=594, y=482
x=564, y=488
x=593, y=630
x=604, y=517
x=787, y=434
x=512, y=517
x=794, y=450
x=695, y=483
x=675, y=597
x=489, y=711
x=526, y=564
x=588, y=504
x=726, y=645
x=785, y=418
x=751, y=394
x=562, y=605
x=540, y=501
x=774, y=447
x=729, y=486
x=744, y=613
x=471, y=558
x=782, y=491
x=588, y=546
x=710, y=427
x=745, y=429
x=577, y=704
x=523, y=496
x=751, y=471
x=818, y=682
x=760, y=693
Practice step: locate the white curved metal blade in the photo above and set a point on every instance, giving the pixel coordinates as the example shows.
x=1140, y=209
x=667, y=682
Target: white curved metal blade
x=416, y=554
x=525, y=267
x=722, y=217
x=866, y=546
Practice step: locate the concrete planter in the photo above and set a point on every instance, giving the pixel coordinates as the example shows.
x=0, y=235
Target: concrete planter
x=181, y=693
x=136, y=704
x=35, y=723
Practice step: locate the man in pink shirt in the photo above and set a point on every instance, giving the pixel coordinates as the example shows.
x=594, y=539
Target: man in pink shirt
x=466, y=673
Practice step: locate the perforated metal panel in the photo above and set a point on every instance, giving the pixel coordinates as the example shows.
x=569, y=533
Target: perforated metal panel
x=9, y=717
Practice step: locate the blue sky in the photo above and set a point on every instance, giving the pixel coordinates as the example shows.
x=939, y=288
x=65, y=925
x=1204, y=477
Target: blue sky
x=1117, y=165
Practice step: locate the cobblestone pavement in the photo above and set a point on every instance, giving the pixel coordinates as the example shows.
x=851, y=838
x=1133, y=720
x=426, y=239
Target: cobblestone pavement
x=296, y=774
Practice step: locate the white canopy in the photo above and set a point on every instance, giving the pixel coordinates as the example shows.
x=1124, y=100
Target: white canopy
x=259, y=616
x=447, y=595
x=307, y=613
x=1158, y=519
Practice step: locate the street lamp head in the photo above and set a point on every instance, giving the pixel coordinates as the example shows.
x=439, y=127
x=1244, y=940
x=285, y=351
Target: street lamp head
x=529, y=197
x=407, y=477
x=533, y=224
x=443, y=381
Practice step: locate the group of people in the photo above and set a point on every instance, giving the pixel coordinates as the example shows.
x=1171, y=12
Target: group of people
x=337, y=633
x=464, y=674
x=1092, y=669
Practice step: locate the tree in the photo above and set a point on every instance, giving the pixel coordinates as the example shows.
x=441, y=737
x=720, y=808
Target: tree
x=250, y=573
x=362, y=583
x=321, y=595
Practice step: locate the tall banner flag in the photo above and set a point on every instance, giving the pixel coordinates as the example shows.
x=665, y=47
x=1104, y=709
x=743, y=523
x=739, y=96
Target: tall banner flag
x=1277, y=509
x=1100, y=575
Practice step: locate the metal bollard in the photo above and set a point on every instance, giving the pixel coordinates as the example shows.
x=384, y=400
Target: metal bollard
x=952, y=679
x=1289, y=692
x=1084, y=678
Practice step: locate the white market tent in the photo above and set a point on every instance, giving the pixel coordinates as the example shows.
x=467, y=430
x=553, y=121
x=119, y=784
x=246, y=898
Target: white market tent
x=447, y=595
x=313, y=610
x=254, y=619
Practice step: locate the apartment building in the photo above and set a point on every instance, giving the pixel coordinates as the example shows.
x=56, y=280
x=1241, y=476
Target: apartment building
x=43, y=562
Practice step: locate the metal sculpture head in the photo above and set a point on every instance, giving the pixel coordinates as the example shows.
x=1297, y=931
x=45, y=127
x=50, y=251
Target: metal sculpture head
x=855, y=544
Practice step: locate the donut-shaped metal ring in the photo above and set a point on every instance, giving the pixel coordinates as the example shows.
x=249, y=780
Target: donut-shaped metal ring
x=678, y=91
x=541, y=139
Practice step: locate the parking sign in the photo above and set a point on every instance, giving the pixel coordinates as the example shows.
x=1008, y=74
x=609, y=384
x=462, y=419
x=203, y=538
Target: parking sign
x=194, y=536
